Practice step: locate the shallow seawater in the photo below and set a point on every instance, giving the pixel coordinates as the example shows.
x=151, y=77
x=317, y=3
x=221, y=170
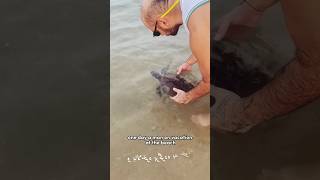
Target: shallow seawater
x=136, y=108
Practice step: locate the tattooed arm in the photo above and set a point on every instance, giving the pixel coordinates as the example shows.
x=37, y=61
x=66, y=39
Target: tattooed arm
x=299, y=82
x=295, y=85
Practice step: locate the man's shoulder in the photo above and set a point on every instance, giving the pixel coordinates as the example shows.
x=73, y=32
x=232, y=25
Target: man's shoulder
x=199, y=19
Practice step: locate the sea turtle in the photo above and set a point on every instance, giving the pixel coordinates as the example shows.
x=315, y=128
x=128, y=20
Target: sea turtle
x=168, y=81
x=230, y=72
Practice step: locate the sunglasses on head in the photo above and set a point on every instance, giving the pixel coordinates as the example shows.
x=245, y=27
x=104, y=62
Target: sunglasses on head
x=157, y=33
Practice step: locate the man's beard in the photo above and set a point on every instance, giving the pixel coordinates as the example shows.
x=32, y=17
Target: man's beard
x=175, y=29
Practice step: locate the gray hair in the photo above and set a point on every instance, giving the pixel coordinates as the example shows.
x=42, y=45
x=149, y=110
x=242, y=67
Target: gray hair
x=155, y=8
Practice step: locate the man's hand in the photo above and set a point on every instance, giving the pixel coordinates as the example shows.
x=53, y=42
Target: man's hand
x=240, y=19
x=228, y=113
x=184, y=67
x=181, y=97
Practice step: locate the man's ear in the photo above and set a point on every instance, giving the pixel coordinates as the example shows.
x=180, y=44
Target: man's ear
x=164, y=23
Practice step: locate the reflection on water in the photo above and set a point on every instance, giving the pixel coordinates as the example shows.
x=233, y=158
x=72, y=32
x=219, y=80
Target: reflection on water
x=136, y=109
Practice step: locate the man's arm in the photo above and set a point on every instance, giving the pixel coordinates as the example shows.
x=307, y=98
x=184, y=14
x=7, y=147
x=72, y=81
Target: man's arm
x=237, y=23
x=299, y=82
x=191, y=60
x=199, y=25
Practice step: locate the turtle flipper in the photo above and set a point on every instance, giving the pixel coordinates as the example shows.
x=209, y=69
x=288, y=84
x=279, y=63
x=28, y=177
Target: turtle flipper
x=159, y=92
x=164, y=70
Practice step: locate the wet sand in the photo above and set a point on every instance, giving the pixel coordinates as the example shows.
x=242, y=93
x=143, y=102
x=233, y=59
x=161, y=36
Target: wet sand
x=285, y=148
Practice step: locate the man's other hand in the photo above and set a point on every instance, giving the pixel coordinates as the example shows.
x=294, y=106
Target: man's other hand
x=181, y=97
x=228, y=113
x=238, y=22
x=183, y=68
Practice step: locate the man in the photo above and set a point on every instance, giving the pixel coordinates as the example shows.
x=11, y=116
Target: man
x=296, y=85
x=164, y=17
